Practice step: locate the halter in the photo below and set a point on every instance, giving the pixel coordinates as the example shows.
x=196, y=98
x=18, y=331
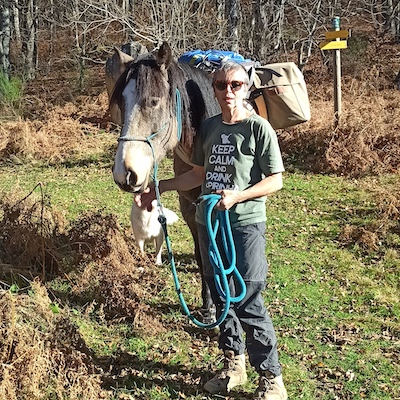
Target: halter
x=147, y=140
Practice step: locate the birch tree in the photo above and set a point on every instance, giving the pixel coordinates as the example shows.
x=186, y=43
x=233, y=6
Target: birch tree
x=29, y=27
x=16, y=22
x=309, y=20
x=233, y=21
x=5, y=33
x=392, y=8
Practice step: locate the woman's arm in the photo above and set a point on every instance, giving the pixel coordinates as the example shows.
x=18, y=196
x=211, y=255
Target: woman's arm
x=189, y=180
x=186, y=181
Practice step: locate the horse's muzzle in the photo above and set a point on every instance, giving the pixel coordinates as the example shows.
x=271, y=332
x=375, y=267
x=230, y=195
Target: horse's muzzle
x=130, y=188
x=133, y=176
x=131, y=185
x=125, y=187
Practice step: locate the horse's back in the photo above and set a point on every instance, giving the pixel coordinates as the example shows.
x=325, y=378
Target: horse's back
x=201, y=93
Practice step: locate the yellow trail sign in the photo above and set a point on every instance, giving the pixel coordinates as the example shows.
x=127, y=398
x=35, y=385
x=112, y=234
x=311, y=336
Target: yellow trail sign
x=343, y=34
x=333, y=45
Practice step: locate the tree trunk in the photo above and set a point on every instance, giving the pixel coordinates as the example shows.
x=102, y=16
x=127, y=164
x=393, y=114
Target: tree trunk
x=392, y=23
x=5, y=32
x=52, y=28
x=29, y=41
x=268, y=27
x=16, y=23
x=233, y=20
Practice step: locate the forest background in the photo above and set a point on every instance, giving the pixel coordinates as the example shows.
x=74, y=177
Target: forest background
x=77, y=321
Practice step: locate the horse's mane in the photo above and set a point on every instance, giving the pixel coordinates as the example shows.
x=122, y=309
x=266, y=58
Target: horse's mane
x=180, y=76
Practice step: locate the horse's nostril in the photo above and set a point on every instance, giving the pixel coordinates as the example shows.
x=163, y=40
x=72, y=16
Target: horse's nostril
x=131, y=178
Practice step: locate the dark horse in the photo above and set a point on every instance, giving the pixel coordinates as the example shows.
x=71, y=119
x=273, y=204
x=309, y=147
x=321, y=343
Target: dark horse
x=157, y=96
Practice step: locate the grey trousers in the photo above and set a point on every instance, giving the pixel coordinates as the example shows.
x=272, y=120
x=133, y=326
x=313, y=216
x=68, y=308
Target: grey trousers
x=249, y=316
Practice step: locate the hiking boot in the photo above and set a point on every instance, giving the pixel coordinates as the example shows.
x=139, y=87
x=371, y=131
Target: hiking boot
x=232, y=374
x=270, y=387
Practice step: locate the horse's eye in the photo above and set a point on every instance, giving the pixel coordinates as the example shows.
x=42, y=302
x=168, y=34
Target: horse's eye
x=153, y=102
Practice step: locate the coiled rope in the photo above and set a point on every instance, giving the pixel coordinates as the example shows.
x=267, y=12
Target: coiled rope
x=215, y=225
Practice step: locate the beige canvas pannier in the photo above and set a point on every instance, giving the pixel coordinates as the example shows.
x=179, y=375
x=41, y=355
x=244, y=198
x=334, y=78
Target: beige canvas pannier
x=279, y=94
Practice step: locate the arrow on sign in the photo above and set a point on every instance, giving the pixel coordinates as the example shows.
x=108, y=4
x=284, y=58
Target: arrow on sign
x=333, y=45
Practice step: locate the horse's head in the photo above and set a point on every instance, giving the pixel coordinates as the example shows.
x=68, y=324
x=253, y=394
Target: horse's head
x=150, y=103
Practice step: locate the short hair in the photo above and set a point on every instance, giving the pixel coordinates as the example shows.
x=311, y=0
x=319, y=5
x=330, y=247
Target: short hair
x=230, y=65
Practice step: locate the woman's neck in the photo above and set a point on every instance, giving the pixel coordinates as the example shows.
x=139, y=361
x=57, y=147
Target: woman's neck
x=232, y=116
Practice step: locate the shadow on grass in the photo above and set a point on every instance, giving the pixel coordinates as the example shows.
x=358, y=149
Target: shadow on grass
x=127, y=373
x=184, y=262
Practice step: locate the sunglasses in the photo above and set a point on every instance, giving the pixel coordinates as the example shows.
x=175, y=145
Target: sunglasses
x=222, y=85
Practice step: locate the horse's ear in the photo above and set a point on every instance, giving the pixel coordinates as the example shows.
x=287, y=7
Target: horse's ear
x=164, y=56
x=124, y=58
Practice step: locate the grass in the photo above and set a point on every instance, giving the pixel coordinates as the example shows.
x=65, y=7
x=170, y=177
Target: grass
x=335, y=304
x=10, y=91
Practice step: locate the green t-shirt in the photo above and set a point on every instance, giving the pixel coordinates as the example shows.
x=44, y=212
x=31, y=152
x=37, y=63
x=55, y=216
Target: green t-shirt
x=236, y=157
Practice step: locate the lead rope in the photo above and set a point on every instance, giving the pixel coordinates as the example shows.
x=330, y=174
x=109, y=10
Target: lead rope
x=221, y=272
x=221, y=223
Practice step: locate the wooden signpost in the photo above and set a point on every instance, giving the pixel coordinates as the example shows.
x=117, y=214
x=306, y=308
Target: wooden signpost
x=336, y=41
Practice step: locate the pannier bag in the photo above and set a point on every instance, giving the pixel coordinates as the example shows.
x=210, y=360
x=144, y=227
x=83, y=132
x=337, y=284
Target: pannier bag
x=278, y=91
x=279, y=94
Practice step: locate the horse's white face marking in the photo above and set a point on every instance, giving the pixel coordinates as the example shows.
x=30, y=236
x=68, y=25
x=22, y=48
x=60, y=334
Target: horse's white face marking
x=130, y=101
x=133, y=160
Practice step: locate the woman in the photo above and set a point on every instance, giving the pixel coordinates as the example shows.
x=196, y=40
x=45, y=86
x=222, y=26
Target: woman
x=236, y=154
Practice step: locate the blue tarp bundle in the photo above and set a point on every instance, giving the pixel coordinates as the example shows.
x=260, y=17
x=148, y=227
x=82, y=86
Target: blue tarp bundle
x=210, y=58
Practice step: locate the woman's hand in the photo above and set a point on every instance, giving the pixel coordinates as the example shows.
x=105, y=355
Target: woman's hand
x=144, y=199
x=270, y=184
x=228, y=199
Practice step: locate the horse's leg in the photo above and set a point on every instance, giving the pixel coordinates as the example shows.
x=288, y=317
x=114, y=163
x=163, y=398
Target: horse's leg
x=208, y=310
x=188, y=212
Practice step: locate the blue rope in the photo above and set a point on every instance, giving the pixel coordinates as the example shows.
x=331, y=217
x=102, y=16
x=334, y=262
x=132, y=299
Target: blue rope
x=221, y=223
x=179, y=113
x=221, y=273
